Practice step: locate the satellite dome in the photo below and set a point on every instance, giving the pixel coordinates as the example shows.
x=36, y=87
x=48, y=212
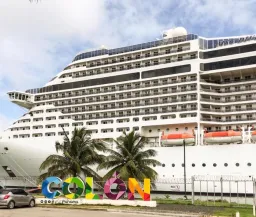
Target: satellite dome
x=175, y=32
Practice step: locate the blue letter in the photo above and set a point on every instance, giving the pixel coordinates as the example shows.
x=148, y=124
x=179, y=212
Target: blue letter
x=46, y=187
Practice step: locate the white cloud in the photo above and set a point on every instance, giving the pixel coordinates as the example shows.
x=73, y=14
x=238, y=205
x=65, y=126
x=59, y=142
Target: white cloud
x=219, y=17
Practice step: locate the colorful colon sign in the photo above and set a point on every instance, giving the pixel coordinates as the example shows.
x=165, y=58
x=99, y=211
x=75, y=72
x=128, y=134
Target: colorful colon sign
x=89, y=190
x=80, y=188
x=120, y=185
x=133, y=186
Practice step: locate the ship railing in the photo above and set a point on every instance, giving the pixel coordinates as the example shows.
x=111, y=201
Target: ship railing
x=231, y=120
x=227, y=110
x=227, y=81
x=227, y=100
x=227, y=91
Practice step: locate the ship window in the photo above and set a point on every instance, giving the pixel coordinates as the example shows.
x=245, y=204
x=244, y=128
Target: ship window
x=249, y=164
x=182, y=164
x=228, y=63
x=237, y=164
x=203, y=164
x=163, y=165
x=177, y=129
x=225, y=164
x=150, y=131
x=166, y=71
x=186, y=128
x=167, y=129
x=214, y=164
x=173, y=165
x=193, y=165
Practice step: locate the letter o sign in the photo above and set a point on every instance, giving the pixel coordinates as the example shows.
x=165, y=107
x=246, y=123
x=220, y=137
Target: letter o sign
x=121, y=187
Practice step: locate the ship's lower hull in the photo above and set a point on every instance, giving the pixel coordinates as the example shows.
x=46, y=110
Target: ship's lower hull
x=24, y=157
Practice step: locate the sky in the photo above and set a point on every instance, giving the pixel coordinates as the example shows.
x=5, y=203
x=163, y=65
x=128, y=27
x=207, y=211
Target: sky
x=38, y=39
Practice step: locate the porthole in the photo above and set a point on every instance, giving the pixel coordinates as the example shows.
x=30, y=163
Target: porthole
x=249, y=164
x=182, y=165
x=186, y=128
x=154, y=165
x=150, y=131
x=173, y=165
x=177, y=129
x=237, y=164
x=158, y=130
x=225, y=164
x=167, y=129
x=163, y=165
x=203, y=164
x=193, y=165
x=214, y=164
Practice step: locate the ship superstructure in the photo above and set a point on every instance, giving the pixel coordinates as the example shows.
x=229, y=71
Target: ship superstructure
x=182, y=88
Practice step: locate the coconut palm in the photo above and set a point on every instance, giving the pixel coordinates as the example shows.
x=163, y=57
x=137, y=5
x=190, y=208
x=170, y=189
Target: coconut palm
x=74, y=156
x=131, y=159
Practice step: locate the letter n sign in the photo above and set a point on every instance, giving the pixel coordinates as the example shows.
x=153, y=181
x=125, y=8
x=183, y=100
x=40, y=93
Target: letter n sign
x=134, y=185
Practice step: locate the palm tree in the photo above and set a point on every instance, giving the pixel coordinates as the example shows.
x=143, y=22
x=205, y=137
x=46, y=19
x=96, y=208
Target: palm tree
x=76, y=156
x=131, y=159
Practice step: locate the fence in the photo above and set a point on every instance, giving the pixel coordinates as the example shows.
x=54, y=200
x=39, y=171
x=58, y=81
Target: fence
x=222, y=189
x=212, y=190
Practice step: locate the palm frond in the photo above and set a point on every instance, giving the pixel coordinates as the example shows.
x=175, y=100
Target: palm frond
x=74, y=157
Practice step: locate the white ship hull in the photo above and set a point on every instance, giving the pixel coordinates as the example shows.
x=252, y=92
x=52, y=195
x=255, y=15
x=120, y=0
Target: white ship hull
x=25, y=156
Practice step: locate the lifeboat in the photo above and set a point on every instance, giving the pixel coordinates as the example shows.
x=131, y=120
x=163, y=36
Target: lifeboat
x=254, y=136
x=223, y=137
x=177, y=139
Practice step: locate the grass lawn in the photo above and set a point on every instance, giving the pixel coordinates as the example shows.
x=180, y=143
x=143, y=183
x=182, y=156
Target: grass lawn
x=216, y=208
x=244, y=212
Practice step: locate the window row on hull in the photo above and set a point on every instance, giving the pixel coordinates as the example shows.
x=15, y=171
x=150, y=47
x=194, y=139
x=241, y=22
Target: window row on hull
x=213, y=128
x=224, y=109
x=138, y=47
x=120, y=87
x=164, y=92
x=232, y=89
x=231, y=80
x=113, y=79
x=133, y=103
x=130, y=65
x=230, y=118
x=228, y=63
x=131, y=112
x=132, y=56
x=227, y=51
x=228, y=99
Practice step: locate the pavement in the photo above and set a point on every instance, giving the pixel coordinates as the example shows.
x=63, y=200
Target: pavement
x=55, y=212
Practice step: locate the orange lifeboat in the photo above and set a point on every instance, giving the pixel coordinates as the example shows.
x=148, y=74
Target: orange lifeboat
x=177, y=139
x=223, y=137
x=254, y=136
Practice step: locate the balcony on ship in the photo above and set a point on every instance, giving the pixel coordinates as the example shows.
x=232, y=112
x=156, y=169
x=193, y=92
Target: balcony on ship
x=22, y=99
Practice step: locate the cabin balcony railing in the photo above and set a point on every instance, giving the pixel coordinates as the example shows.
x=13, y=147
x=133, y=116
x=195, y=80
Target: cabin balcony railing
x=227, y=82
x=227, y=110
x=231, y=120
x=227, y=91
x=227, y=100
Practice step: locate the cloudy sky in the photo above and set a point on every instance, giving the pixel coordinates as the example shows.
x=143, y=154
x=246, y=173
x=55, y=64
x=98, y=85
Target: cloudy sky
x=37, y=40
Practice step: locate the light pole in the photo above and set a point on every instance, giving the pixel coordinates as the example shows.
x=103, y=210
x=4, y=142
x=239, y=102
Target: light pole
x=185, y=180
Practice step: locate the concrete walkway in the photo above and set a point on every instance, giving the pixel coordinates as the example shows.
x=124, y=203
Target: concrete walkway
x=55, y=212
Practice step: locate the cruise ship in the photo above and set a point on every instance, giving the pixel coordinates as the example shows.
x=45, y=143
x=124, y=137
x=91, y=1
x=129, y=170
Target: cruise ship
x=181, y=90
